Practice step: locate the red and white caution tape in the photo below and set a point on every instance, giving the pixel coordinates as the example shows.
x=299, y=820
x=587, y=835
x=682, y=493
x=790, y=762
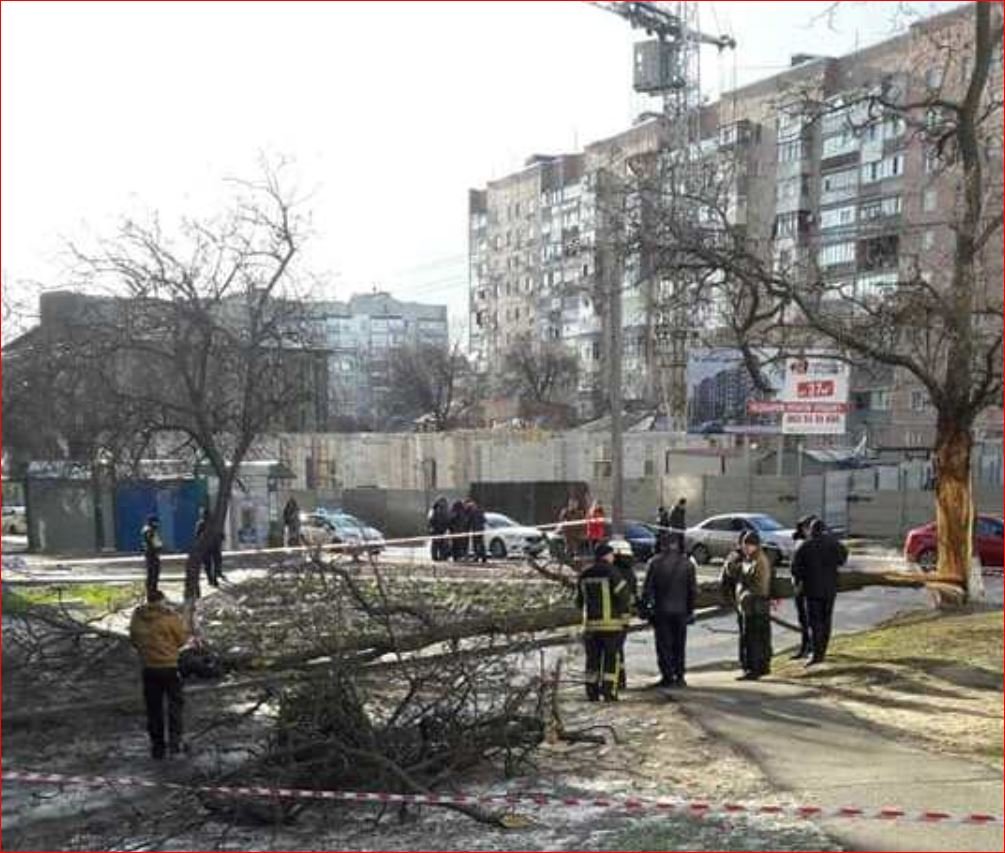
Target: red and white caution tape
x=631, y=805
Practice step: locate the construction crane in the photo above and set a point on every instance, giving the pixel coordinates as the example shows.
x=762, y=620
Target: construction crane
x=668, y=66
x=662, y=23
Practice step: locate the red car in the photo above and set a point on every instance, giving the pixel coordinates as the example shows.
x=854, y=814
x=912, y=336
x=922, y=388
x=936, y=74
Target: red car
x=920, y=544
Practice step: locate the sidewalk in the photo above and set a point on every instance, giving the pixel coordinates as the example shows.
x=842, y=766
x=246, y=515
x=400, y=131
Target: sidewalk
x=823, y=755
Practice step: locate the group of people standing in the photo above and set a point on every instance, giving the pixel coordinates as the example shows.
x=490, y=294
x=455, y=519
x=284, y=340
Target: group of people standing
x=746, y=580
x=457, y=530
x=607, y=593
x=153, y=546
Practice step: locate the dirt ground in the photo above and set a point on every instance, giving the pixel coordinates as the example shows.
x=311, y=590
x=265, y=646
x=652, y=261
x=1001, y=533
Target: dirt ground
x=650, y=749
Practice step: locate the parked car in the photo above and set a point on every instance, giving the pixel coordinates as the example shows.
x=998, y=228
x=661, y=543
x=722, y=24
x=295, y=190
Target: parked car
x=715, y=537
x=15, y=520
x=642, y=539
x=373, y=537
x=921, y=544
x=506, y=537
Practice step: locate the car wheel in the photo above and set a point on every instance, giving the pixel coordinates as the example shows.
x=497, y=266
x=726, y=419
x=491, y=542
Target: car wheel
x=700, y=554
x=928, y=559
x=497, y=548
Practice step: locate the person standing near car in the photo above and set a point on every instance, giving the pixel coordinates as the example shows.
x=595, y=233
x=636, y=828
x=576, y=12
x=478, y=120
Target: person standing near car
x=150, y=534
x=668, y=598
x=158, y=633
x=799, y=536
x=476, y=526
x=678, y=523
x=291, y=522
x=572, y=519
x=603, y=596
x=439, y=523
x=746, y=581
x=815, y=566
x=595, y=525
x=459, y=543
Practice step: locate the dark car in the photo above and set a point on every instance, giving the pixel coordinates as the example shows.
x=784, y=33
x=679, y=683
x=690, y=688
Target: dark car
x=639, y=536
x=921, y=544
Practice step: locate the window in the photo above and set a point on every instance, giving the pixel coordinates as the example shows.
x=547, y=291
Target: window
x=837, y=217
x=724, y=523
x=786, y=225
x=930, y=199
x=836, y=253
x=879, y=401
x=989, y=527
x=787, y=189
x=928, y=240
x=838, y=185
x=919, y=401
x=840, y=143
x=933, y=78
x=888, y=167
x=876, y=286
x=881, y=207
x=790, y=152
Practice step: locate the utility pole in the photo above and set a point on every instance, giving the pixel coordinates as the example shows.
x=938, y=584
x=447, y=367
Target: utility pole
x=610, y=211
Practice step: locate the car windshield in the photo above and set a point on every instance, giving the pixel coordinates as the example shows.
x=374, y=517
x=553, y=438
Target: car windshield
x=764, y=522
x=497, y=519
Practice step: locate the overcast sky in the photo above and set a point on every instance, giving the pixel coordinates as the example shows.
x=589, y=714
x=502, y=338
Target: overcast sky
x=391, y=112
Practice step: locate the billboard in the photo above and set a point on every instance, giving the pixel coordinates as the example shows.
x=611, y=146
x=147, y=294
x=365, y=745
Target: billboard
x=719, y=388
x=809, y=396
x=815, y=395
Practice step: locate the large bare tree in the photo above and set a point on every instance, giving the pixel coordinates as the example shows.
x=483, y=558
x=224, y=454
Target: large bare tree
x=200, y=335
x=940, y=321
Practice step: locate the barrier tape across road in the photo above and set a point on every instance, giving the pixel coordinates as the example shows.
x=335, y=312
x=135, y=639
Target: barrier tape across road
x=629, y=805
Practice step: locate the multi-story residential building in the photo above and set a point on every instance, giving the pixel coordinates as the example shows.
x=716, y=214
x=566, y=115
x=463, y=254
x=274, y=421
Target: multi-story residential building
x=360, y=336
x=822, y=186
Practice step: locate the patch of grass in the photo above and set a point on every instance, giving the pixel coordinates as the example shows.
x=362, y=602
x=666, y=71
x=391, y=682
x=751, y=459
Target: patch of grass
x=934, y=677
x=929, y=641
x=92, y=596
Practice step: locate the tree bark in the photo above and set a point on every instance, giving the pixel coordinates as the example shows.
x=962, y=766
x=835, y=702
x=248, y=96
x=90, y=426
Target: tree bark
x=954, y=504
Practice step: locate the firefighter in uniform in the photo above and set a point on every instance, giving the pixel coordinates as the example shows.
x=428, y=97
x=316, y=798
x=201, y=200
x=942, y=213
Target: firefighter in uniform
x=623, y=563
x=603, y=594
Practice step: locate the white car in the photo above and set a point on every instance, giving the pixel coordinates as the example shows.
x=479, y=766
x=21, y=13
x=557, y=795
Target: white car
x=718, y=535
x=506, y=537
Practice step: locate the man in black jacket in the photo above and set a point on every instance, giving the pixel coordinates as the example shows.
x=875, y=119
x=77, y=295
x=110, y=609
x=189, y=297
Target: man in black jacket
x=678, y=522
x=800, y=535
x=669, y=595
x=815, y=567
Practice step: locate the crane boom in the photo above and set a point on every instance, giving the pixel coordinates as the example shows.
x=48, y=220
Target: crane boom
x=659, y=22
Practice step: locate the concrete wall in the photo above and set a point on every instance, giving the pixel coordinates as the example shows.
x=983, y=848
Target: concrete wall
x=61, y=516
x=890, y=514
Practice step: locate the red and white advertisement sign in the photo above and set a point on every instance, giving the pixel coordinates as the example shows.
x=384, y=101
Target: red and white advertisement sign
x=814, y=397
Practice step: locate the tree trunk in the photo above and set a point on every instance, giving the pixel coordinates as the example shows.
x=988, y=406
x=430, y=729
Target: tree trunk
x=954, y=503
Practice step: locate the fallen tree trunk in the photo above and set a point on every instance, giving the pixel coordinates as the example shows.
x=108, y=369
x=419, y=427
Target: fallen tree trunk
x=369, y=646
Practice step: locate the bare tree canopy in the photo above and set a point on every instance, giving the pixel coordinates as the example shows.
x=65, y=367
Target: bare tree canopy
x=200, y=335
x=430, y=381
x=539, y=372
x=939, y=320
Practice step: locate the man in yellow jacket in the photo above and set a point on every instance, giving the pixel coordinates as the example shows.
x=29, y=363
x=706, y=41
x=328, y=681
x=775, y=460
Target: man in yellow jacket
x=158, y=633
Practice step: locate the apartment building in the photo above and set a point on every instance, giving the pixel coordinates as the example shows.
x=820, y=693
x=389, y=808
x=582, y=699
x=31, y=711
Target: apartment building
x=360, y=337
x=822, y=186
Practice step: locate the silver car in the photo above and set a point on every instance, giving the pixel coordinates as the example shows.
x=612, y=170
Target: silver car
x=715, y=537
